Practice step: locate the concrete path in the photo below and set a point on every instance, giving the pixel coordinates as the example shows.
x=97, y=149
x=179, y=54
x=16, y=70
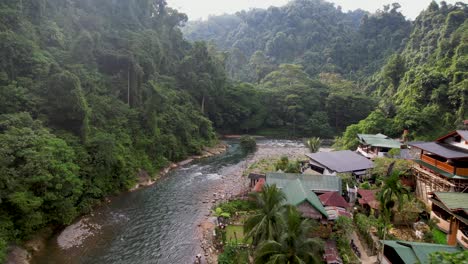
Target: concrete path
x=365, y=259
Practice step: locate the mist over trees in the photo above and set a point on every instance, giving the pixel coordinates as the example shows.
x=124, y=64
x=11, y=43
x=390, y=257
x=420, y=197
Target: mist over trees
x=93, y=92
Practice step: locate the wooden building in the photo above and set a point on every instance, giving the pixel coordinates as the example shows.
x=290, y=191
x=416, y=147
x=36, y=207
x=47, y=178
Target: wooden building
x=373, y=146
x=406, y=252
x=442, y=165
x=450, y=211
x=345, y=161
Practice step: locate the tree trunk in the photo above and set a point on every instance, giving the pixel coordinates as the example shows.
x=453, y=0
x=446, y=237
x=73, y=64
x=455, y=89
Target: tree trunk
x=203, y=105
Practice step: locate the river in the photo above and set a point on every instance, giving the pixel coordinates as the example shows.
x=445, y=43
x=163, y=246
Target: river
x=157, y=224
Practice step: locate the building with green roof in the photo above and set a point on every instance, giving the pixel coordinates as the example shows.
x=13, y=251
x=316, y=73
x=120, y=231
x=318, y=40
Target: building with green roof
x=316, y=183
x=372, y=146
x=305, y=200
x=450, y=211
x=406, y=252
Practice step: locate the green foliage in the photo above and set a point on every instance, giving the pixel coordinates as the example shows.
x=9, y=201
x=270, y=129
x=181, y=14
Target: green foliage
x=438, y=236
x=89, y=100
x=449, y=258
x=381, y=166
x=265, y=224
x=293, y=245
x=248, y=144
x=234, y=206
x=314, y=144
x=363, y=225
x=343, y=227
x=287, y=166
x=316, y=34
x=233, y=254
x=219, y=212
x=345, y=251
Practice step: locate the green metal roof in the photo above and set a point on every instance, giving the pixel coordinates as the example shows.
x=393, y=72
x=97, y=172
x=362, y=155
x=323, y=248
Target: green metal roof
x=415, y=252
x=296, y=193
x=453, y=200
x=442, y=206
x=379, y=140
x=439, y=171
x=311, y=182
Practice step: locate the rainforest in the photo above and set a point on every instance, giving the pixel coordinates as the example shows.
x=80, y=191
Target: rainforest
x=94, y=93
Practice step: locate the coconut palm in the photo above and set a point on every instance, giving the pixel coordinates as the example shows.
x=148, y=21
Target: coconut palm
x=293, y=246
x=266, y=222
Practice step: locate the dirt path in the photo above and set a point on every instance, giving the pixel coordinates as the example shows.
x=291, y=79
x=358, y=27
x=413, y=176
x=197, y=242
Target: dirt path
x=365, y=259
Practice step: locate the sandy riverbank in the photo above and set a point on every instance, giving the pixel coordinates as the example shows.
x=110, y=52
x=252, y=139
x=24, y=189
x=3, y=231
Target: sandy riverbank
x=235, y=184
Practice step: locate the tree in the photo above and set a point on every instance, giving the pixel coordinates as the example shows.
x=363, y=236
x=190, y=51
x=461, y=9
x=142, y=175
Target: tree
x=392, y=191
x=294, y=245
x=248, y=144
x=266, y=223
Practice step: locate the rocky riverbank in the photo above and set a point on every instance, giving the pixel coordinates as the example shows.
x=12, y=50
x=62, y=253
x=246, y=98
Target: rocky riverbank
x=84, y=227
x=235, y=184
x=144, y=179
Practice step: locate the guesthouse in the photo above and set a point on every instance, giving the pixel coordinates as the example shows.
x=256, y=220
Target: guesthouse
x=450, y=212
x=442, y=165
x=373, y=146
x=345, y=161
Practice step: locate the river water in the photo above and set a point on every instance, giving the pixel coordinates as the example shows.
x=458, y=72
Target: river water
x=157, y=224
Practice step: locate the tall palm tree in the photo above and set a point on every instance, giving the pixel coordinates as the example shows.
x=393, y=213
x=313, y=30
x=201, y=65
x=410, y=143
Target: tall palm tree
x=265, y=224
x=294, y=246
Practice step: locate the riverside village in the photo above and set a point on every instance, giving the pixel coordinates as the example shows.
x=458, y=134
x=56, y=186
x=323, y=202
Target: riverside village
x=233, y=132
x=388, y=201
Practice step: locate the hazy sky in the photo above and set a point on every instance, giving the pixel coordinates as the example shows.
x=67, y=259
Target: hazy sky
x=197, y=9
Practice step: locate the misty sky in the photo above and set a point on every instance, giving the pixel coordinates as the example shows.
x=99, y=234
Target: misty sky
x=197, y=9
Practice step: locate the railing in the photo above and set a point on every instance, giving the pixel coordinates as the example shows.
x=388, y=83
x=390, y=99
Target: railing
x=462, y=171
x=428, y=159
x=439, y=164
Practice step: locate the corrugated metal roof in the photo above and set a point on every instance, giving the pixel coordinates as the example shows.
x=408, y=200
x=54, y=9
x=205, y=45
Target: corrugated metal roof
x=379, y=140
x=341, y=161
x=415, y=252
x=315, y=183
x=444, y=150
x=453, y=200
x=296, y=193
x=333, y=199
x=463, y=134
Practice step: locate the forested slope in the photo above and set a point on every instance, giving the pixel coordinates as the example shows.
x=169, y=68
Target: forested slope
x=424, y=88
x=313, y=33
x=92, y=92
x=412, y=74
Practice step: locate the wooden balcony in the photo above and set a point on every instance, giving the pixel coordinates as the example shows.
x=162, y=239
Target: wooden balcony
x=462, y=171
x=444, y=166
x=462, y=239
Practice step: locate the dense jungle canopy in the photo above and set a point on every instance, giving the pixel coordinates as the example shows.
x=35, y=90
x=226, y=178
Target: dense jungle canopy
x=95, y=92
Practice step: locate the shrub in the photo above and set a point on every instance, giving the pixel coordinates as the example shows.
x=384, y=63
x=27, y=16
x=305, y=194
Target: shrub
x=234, y=206
x=248, y=144
x=314, y=144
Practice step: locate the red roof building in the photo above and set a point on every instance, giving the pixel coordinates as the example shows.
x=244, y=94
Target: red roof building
x=367, y=197
x=333, y=199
